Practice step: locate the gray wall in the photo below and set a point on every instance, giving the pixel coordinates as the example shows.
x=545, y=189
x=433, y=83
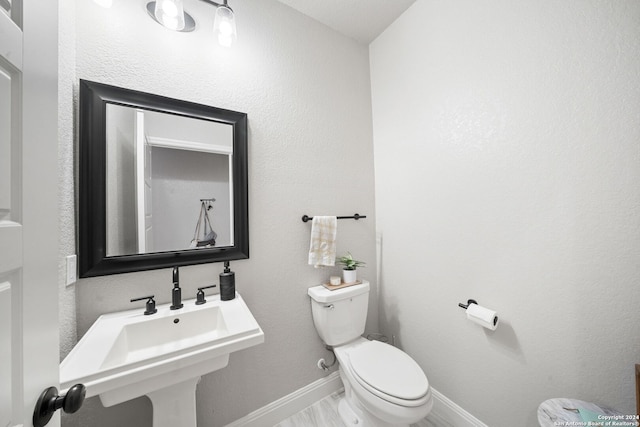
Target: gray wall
x=180, y=178
x=306, y=91
x=512, y=129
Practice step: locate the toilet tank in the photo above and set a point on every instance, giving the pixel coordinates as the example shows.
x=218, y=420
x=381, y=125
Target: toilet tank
x=339, y=315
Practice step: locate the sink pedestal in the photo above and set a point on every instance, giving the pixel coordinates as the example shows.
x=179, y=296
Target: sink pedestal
x=175, y=405
x=172, y=394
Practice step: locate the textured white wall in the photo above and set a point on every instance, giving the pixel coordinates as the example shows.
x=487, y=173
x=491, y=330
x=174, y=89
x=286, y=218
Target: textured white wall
x=507, y=159
x=306, y=91
x=67, y=100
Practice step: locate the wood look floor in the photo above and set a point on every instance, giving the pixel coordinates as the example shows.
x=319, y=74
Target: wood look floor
x=324, y=413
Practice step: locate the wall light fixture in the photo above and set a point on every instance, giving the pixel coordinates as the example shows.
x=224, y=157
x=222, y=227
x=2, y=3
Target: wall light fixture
x=171, y=14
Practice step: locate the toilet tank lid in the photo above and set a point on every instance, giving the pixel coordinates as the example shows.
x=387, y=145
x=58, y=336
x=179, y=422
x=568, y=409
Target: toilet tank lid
x=322, y=294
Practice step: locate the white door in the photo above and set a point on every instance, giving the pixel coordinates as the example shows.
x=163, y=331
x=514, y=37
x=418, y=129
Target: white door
x=29, y=335
x=144, y=213
x=148, y=196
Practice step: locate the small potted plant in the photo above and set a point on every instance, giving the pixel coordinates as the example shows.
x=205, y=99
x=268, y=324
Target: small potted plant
x=349, y=274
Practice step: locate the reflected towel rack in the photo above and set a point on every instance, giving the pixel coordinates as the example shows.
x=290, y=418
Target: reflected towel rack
x=356, y=216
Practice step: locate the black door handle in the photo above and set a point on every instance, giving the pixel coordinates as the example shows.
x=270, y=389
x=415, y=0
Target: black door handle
x=49, y=402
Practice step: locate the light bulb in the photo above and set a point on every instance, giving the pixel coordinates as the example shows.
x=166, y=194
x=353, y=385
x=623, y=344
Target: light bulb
x=170, y=13
x=170, y=9
x=225, y=26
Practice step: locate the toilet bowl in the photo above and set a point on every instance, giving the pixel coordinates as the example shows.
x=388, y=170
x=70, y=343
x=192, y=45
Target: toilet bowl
x=383, y=381
x=384, y=386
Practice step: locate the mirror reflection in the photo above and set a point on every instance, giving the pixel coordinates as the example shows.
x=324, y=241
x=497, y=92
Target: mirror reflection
x=169, y=182
x=162, y=182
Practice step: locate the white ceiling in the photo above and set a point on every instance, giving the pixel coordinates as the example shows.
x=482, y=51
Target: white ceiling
x=362, y=20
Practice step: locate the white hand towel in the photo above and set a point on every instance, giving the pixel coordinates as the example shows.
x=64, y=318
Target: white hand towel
x=322, y=250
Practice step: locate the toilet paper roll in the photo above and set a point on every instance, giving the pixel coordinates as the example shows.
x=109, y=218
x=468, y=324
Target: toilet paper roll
x=482, y=316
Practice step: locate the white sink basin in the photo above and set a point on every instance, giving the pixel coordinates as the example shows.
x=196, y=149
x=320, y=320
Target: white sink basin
x=127, y=354
x=146, y=338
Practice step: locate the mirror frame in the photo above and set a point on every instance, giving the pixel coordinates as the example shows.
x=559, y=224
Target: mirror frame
x=92, y=235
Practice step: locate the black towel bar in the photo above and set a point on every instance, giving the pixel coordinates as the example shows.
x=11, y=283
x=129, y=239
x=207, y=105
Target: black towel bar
x=306, y=218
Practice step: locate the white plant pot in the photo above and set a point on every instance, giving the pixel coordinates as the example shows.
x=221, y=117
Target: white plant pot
x=349, y=276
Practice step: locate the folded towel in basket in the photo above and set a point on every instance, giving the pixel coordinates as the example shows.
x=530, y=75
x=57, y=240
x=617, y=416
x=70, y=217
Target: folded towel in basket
x=322, y=249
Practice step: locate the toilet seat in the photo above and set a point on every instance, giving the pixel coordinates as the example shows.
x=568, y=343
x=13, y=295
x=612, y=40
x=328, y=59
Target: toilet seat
x=389, y=373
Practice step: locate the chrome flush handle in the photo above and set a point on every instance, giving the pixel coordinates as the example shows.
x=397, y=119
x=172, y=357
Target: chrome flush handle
x=329, y=306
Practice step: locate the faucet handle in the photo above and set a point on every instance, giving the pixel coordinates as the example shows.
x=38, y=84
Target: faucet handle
x=200, y=295
x=151, y=304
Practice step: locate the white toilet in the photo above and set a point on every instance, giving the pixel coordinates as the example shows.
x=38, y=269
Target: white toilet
x=384, y=386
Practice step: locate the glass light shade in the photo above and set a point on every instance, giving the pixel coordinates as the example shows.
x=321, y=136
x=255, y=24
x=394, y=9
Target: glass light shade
x=224, y=26
x=170, y=13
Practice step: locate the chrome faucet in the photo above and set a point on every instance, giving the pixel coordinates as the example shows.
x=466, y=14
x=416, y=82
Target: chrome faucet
x=176, y=292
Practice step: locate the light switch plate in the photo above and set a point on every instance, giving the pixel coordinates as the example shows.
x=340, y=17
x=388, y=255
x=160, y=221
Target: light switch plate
x=72, y=269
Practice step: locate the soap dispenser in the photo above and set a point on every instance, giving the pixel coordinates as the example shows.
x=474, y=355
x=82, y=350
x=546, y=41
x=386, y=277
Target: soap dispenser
x=227, y=283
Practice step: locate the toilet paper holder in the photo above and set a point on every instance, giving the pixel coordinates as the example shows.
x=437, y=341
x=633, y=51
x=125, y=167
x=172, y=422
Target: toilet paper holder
x=481, y=315
x=465, y=306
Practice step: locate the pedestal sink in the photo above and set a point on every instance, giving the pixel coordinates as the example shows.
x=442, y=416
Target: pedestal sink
x=128, y=354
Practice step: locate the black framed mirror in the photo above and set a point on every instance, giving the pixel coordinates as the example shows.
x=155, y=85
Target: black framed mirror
x=162, y=182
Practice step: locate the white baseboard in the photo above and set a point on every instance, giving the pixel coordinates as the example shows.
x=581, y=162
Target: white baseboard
x=290, y=404
x=447, y=413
